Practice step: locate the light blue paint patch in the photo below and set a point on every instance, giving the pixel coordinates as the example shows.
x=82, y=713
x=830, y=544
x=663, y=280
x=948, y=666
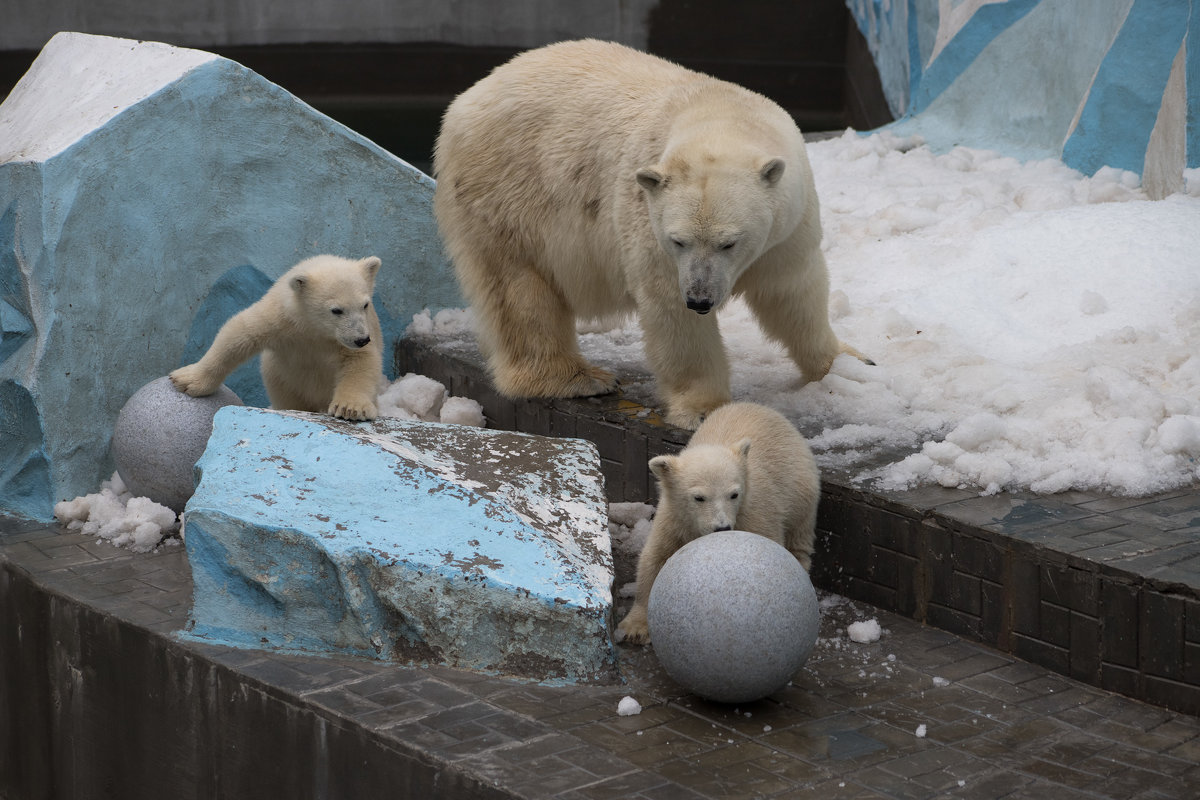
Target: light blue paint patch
x=961, y=51
x=1117, y=120
x=1027, y=116
x=124, y=232
x=405, y=540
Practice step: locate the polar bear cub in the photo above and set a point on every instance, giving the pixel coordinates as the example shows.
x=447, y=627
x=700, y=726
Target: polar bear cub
x=746, y=468
x=320, y=339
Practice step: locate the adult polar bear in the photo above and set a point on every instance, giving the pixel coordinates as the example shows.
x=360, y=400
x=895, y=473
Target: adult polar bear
x=586, y=179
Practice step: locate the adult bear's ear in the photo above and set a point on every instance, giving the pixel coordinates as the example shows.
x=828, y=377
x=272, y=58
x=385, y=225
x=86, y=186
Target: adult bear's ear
x=298, y=283
x=663, y=467
x=742, y=448
x=651, y=179
x=772, y=171
x=370, y=267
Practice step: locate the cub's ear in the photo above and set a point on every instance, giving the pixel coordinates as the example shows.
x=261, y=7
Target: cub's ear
x=742, y=448
x=370, y=267
x=772, y=171
x=663, y=467
x=299, y=283
x=651, y=179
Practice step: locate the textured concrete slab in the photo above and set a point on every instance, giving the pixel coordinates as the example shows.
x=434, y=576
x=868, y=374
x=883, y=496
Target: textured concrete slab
x=141, y=187
x=403, y=540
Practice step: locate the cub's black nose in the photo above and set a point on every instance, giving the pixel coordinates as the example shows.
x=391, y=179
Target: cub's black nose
x=700, y=306
x=363, y=342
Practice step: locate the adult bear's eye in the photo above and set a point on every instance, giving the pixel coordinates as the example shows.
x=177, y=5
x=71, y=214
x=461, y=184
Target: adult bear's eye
x=678, y=243
x=728, y=245
x=699, y=498
x=733, y=496
x=335, y=311
x=366, y=304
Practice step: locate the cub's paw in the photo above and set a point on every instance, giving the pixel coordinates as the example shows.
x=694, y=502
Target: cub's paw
x=635, y=628
x=194, y=381
x=353, y=408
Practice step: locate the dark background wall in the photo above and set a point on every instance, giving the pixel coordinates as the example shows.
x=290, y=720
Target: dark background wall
x=388, y=70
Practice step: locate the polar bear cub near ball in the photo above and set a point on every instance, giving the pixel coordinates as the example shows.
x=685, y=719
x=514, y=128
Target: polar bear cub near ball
x=586, y=180
x=746, y=468
x=319, y=335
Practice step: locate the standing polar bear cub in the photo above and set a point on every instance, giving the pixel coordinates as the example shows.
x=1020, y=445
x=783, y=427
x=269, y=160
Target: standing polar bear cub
x=320, y=339
x=746, y=468
x=586, y=179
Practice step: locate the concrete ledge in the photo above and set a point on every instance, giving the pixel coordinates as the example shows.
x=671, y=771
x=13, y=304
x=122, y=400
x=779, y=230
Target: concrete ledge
x=1105, y=590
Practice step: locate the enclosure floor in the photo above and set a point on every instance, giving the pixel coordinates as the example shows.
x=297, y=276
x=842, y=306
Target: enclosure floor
x=849, y=725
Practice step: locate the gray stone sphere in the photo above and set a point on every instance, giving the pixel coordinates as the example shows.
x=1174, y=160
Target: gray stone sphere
x=160, y=435
x=733, y=616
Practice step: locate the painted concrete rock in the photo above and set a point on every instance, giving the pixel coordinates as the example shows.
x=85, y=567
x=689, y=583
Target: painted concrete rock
x=121, y=214
x=733, y=616
x=160, y=434
x=403, y=540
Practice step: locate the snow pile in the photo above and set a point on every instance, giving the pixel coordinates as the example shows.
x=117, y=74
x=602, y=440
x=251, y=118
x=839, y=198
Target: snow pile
x=1034, y=328
x=628, y=707
x=629, y=526
x=116, y=516
x=418, y=397
x=864, y=632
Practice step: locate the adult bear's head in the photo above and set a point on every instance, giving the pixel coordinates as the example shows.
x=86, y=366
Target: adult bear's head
x=714, y=210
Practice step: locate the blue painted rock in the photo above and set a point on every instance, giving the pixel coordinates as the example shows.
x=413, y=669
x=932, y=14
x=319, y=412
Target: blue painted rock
x=733, y=616
x=160, y=435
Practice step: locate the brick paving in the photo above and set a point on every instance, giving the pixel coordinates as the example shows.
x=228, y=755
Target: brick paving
x=846, y=727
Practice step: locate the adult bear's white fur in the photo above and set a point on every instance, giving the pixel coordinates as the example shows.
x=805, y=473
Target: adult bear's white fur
x=586, y=179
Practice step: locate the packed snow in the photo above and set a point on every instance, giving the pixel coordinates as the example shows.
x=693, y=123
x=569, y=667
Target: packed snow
x=864, y=632
x=628, y=707
x=1034, y=328
x=114, y=515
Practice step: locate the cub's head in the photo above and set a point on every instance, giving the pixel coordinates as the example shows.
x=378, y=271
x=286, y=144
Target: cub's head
x=714, y=216
x=705, y=485
x=334, y=295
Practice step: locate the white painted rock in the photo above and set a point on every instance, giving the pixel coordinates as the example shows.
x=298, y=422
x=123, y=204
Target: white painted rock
x=401, y=539
x=733, y=616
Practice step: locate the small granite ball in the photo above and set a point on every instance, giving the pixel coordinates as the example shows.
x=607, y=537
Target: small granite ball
x=160, y=435
x=733, y=616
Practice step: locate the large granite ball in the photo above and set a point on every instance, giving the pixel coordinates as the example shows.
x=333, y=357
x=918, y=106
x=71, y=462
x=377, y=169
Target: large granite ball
x=160, y=435
x=733, y=616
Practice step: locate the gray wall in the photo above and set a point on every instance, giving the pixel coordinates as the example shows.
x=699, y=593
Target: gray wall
x=196, y=23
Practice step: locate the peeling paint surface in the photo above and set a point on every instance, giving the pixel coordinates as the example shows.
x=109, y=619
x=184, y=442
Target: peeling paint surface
x=403, y=539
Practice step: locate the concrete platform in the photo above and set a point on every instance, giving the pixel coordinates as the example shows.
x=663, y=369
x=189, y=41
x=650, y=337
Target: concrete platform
x=101, y=699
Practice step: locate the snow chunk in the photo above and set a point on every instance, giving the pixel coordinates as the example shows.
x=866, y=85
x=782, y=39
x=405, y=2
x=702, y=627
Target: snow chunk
x=115, y=515
x=921, y=731
x=864, y=632
x=628, y=707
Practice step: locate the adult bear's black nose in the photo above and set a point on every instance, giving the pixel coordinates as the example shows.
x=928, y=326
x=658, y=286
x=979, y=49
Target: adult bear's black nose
x=700, y=306
x=720, y=528
x=363, y=342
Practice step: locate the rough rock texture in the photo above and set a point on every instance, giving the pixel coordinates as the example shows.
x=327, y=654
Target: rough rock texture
x=160, y=434
x=134, y=176
x=733, y=616
x=403, y=540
